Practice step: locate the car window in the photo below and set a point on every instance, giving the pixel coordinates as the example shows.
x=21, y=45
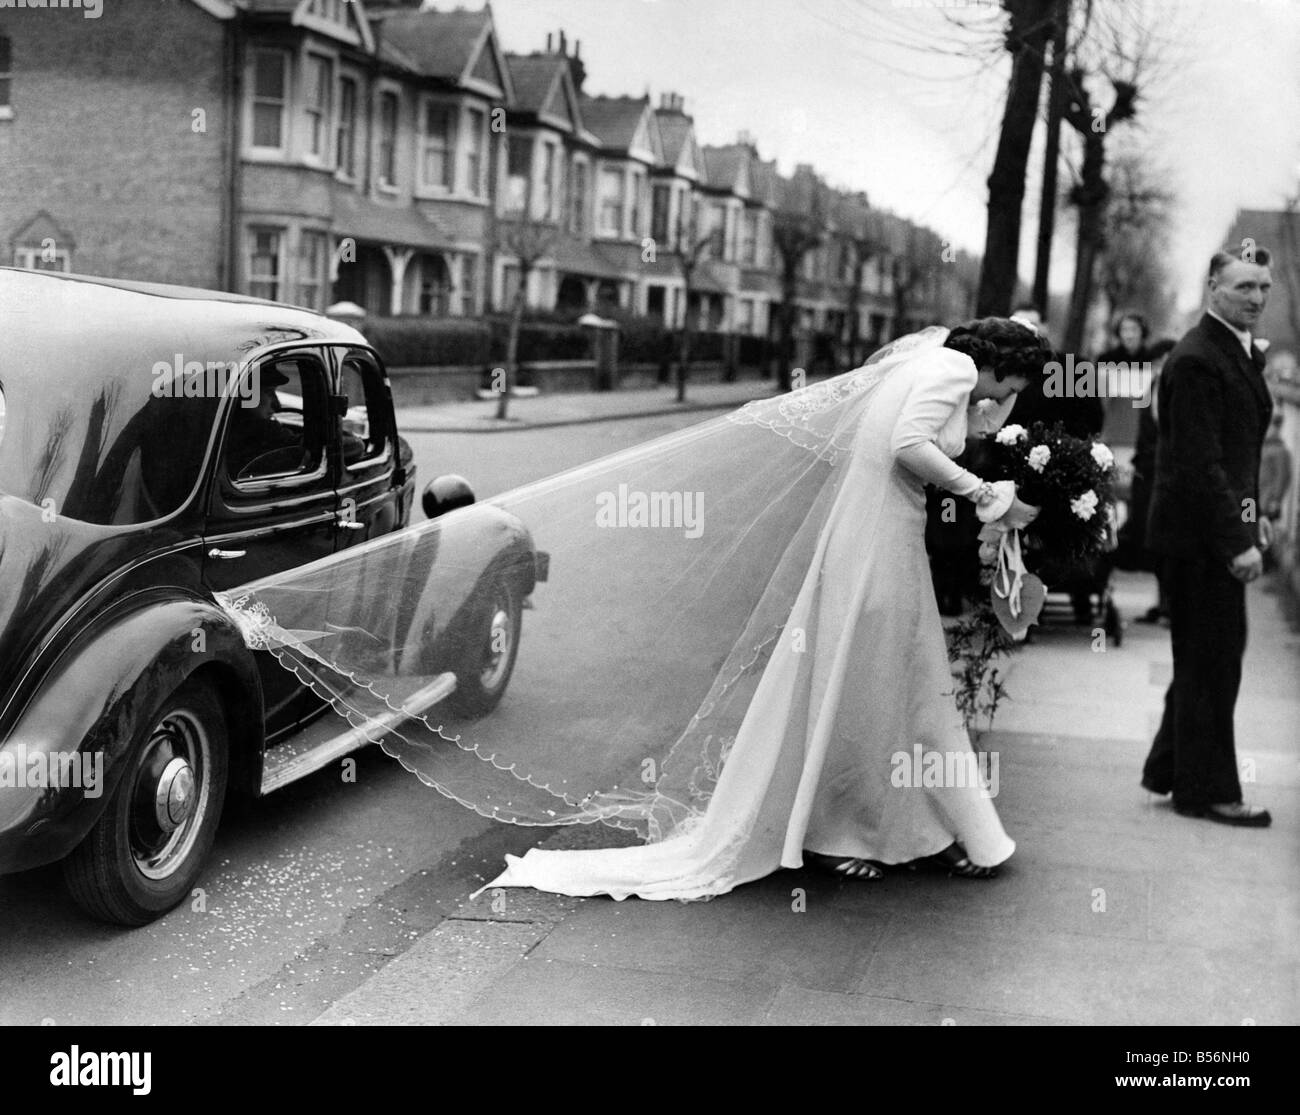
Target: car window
x=277, y=431
x=363, y=426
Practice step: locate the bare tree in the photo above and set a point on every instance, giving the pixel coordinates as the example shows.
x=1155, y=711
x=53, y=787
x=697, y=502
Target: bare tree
x=1132, y=266
x=863, y=230
x=693, y=244
x=529, y=239
x=1027, y=35
x=1058, y=93
x=798, y=228
x=914, y=263
x=1092, y=191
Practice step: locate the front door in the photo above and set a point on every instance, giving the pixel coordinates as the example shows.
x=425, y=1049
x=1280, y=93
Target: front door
x=273, y=504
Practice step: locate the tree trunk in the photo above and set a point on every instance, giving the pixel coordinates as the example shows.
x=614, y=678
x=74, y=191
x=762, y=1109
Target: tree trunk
x=1051, y=156
x=1091, y=197
x=512, y=344
x=684, y=348
x=1027, y=38
x=789, y=291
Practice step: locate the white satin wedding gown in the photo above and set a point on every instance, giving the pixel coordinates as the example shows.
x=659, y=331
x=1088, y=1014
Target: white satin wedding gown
x=862, y=674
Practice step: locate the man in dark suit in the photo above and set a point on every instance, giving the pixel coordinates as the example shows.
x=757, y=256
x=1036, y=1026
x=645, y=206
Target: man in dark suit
x=1213, y=411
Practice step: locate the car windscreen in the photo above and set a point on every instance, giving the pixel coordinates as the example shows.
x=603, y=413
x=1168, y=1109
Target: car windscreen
x=97, y=432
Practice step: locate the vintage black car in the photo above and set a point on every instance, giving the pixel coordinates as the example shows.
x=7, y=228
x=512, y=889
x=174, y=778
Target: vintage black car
x=158, y=446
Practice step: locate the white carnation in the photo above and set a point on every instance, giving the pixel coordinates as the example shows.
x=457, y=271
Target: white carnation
x=1102, y=455
x=1085, y=506
x=1039, y=455
x=1009, y=435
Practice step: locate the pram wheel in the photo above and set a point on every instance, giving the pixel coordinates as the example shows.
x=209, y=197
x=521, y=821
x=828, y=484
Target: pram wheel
x=1114, y=626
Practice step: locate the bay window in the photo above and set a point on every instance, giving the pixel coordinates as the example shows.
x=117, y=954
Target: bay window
x=345, y=155
x=311, y=268
x=270, y=98
x=318, y=90
x=264, y=262
x=519, y=166
x=388, y=140
x=475, y=142
x=578, y=198
x=6, y=76
x=611, y=201
x=437, y=147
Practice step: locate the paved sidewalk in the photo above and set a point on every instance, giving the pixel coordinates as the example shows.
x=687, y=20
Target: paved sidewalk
x=1113, y=910
x=568, y=409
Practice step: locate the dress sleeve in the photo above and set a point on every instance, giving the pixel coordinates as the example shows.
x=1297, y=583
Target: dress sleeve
x=943, y=383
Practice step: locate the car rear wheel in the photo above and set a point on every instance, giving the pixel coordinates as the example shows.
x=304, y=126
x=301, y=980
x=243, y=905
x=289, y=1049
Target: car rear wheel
x=147, y=849
x=487, y=655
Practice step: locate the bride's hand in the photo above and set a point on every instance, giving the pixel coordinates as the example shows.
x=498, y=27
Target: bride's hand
x=1019, y=514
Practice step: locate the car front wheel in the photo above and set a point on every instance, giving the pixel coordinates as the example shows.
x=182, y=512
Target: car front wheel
x=487, y=657
x=147, y=849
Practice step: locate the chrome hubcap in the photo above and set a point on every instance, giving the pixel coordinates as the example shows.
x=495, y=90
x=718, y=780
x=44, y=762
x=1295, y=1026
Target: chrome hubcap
x=169, y=797
x=174, y=798
x=498, y=653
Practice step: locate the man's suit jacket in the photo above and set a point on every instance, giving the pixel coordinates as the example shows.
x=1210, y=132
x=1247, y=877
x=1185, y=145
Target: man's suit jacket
x=1213, y=412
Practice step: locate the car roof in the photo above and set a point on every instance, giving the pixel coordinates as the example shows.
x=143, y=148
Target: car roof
x=23, y=291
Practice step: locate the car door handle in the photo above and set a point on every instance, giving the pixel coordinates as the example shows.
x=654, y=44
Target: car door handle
x=227, y=555
x=349, y=524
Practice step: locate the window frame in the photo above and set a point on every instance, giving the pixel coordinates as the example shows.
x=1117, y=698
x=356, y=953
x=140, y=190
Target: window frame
x=449, y=148
x=252, y=490
x=384, y=182
x=345, y=124
x=377, y=410
x=251, y=278
x=474, y=124
x=319, y=117
x=617, y=201
x=320, y=280
x=580, y=174
x=26, y=257
x=6, y=77
x=254, y=100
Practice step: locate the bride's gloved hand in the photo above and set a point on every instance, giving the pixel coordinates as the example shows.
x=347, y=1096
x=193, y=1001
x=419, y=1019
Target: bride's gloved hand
x=1019, y=515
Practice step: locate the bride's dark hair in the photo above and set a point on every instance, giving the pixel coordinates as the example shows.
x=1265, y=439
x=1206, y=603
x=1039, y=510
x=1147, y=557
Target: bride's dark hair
x=1008, y=347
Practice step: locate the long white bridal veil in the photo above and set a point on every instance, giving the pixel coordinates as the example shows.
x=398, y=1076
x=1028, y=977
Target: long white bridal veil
x=671, y=571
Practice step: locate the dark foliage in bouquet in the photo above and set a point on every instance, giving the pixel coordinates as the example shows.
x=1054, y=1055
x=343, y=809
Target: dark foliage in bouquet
x=1073, y=491
x=1072, y=485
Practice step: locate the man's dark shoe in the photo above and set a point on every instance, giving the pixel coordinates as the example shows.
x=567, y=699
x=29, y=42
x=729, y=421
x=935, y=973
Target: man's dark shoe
x=1231, y=813
x=1151, y=787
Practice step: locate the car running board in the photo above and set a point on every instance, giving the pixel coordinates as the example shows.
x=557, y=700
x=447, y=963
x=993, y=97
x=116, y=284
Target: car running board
x=321, y=743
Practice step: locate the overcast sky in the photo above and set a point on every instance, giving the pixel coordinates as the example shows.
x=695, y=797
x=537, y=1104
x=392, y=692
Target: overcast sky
x=834, y=83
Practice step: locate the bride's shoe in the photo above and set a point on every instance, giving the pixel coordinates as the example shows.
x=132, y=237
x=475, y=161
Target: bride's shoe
x=954, y=860
x=847, y=867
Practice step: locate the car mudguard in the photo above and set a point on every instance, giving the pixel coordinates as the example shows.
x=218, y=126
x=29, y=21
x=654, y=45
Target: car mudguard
x=91, y=701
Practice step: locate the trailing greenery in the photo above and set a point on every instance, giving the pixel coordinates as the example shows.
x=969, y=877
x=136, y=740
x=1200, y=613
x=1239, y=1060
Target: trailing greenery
x=976, y=642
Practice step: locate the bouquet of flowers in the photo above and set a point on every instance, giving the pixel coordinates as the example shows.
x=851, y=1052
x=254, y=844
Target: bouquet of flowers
x=1070, y=480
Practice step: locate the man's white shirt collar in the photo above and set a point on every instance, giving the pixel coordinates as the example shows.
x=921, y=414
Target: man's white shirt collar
x=1241, y=334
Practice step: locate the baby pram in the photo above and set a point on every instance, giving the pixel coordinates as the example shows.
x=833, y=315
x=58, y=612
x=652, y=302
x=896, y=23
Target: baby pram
x=1080, y=592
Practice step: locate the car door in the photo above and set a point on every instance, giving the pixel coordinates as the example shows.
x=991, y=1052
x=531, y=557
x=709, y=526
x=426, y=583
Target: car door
x=273, y=504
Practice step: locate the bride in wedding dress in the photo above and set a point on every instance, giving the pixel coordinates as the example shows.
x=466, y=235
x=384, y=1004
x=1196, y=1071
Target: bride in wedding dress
x=861, y=672
x=735, y=648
